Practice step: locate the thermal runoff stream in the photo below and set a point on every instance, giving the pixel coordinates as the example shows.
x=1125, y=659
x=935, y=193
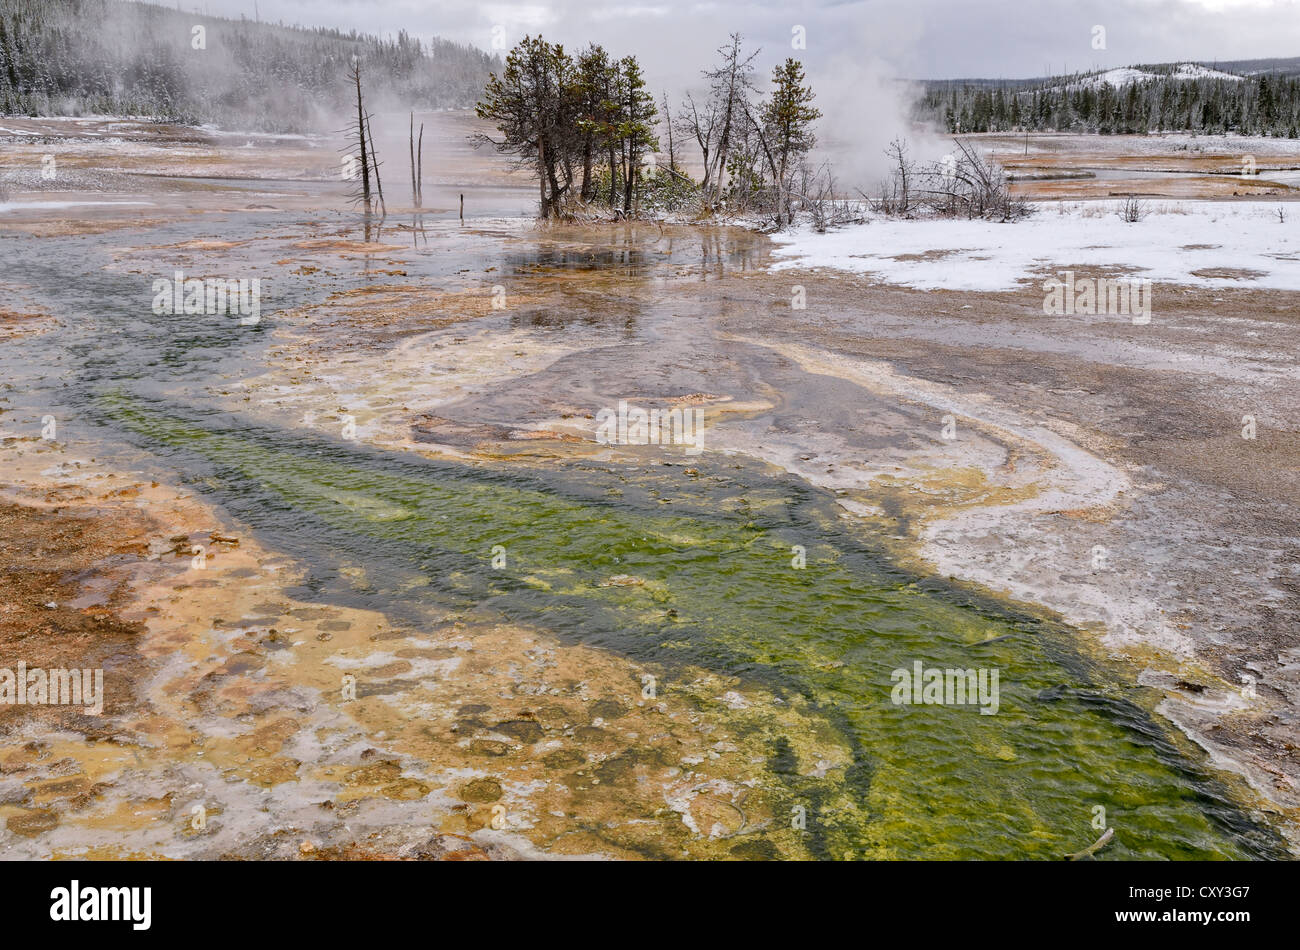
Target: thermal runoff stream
x=675, y=563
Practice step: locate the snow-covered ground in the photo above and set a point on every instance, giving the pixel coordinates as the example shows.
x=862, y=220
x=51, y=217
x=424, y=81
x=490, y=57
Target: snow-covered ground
x=1176, y=239
x=6, y=206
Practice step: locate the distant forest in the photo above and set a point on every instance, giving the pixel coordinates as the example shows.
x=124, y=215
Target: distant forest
x=61, y=57
x=1262, y=104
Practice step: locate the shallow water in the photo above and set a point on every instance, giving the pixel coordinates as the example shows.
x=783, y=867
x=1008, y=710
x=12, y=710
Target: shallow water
x=710, y=553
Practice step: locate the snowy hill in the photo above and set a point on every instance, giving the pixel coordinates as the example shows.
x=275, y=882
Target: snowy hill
x=1126, y=75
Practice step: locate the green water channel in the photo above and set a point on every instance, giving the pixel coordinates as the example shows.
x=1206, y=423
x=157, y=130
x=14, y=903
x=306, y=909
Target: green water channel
x=712, y=554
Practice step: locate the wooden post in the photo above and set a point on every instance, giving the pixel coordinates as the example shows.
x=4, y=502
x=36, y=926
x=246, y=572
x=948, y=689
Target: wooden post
x=462, y=208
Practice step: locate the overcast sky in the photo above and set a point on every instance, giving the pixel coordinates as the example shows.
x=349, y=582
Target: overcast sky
x=913, y=38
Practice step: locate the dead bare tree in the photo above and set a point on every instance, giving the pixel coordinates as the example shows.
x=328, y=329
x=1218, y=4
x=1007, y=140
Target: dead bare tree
x=360, y=132
x=374, y=164
x=816, y=191
x=417, y=166
x=729, y=88
x=966, y=183
x=904, y=171
x=668, y=123
x=1132, y=210
x=700, y=122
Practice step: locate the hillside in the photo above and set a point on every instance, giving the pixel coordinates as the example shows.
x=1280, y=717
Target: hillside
x=67, y=57
x=1289, y=66
x=1250, y=97
x=1127, y=75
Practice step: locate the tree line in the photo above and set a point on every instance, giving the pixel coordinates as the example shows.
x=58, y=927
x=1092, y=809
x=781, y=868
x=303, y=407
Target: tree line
x=116, y=58
x=1267, y=105
x=587, y=127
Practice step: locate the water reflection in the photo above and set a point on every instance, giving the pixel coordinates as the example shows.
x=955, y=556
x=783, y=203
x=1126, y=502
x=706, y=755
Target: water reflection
x=639, y=249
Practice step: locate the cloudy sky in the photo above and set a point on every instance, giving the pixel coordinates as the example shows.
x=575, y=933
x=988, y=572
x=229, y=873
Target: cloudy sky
x=915, y=38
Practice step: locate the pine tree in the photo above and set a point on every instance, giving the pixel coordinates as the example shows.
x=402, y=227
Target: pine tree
x=787, y=120
x=636, y=126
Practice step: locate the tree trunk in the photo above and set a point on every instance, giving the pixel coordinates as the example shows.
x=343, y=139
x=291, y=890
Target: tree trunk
x=415, y=188
x=627, y=178
x=613, y=179
x=586, y=170
x=374, y=160
x=541, y=176
x=631, y=181
x=361, y=140
x=668, y=120
x=556, y=190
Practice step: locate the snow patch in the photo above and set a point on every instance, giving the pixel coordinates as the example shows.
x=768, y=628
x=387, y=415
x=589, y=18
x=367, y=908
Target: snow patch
x=1243, y=240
